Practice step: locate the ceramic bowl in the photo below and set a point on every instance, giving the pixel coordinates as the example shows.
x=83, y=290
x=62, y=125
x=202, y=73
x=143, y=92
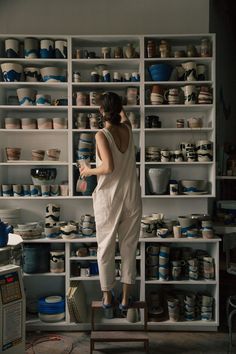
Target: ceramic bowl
x=38, y=155
x=44, y=123
x=12, y=123
x=32, y=74
x=194, y=186
x=43, y=175
x=13, y=153
x=12, y=71
x=160, y=72
x=53, y=154
x=26, y=96
x=53, y=73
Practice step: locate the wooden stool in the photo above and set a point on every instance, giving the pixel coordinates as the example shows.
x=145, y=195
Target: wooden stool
x=119, y=336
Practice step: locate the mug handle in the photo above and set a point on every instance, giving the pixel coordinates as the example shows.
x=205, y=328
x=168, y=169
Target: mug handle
x=165, y=95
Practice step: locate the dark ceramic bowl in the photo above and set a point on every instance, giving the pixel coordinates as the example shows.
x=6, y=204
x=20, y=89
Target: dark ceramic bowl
x=43, y=175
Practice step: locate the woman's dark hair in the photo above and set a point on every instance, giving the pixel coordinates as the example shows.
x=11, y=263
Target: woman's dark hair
x=112, y=106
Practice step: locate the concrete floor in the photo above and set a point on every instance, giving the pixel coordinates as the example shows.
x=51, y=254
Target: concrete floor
x=160, y=343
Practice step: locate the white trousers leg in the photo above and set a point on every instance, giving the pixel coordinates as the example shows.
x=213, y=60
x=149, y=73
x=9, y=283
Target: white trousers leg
x=128, y=233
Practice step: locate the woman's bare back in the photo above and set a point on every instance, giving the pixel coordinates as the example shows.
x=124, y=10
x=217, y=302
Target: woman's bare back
x=120, y=134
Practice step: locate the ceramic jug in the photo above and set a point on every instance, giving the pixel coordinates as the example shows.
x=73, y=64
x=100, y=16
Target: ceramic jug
x=190, y=71
x=190, y=94
x=129, y=51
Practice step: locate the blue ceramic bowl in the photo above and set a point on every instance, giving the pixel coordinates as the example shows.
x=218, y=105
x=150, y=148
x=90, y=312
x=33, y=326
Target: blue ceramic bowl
x=160, y=72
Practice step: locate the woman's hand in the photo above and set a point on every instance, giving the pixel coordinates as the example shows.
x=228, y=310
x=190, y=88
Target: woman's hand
x=85, y=171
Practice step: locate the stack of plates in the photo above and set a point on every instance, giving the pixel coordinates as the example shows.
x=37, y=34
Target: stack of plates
x=29, y=231
x=10, y=216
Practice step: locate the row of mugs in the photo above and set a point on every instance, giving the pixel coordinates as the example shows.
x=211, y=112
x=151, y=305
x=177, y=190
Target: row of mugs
x=191, y=95
x=116, y=76
x=14, y=154
x=32, y=123
x=128, y=52
x=29, y=97
x=32, y=190
x=92, y=98
x=35, y=48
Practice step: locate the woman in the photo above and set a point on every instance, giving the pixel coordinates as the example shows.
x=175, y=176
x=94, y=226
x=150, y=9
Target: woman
x=116, y=199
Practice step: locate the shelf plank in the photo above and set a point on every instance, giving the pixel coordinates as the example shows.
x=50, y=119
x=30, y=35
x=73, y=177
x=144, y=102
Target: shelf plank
x=182, y=282
x=179, y=240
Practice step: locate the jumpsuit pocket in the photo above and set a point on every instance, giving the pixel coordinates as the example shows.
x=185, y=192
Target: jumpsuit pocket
x=101, y=206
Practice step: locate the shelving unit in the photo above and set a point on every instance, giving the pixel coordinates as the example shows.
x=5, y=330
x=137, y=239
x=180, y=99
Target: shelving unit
x=73, y=206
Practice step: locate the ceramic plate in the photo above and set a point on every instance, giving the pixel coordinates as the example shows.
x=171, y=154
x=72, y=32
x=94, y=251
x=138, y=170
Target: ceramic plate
x=196, y=193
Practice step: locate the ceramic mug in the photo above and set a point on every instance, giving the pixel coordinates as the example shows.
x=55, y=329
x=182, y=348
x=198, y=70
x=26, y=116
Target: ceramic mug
x=12, y=46
x=61, y=49
x=190, y=94
x=190, y=71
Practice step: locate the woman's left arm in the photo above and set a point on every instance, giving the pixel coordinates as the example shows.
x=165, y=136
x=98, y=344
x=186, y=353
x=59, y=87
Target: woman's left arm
x=107, y=165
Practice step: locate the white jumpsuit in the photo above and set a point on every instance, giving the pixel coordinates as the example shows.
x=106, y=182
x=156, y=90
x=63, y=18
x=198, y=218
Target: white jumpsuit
x=118, y=209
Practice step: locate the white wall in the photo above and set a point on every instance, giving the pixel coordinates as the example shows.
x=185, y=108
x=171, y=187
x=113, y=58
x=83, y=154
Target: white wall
x=103, y=16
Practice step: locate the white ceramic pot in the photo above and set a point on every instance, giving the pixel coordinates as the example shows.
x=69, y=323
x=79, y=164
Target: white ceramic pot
x=12, y=72
x=53, y=73
x=12, y=46
x=31, y=48
x=158, y=179
x=46, y=48
x=43, y=100
x=32, y=74
x=61, y=49
x=26, y=96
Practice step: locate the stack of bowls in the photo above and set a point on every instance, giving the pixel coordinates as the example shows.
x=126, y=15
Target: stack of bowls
x=160, y=72
x=204, y=150
x=85, y=147
x=68, y=231
x=194, y=186
x=152, y=153
x=51, y=308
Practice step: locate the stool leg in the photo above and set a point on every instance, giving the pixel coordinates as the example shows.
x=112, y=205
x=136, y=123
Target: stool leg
x=146, y=346
x=230, y=326
x=91, y=346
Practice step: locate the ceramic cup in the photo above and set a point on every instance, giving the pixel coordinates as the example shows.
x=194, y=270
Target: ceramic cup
x=45, y=190
x=64, y=189
x=59, y=123
x=6, y=190
x=54, y=190
x=35, y=190
x=31, y=48
x=12, y=48
x=190, y=94
x=57, y=261
x=32, y=74
x=190, y=71
x=44, y=123
x=81, y=120
x=12, y=123
x=38, y=155
x=28, y=123
x=13, y=153
x=12, y=72
x=26, y=190
x=43, y=100
x=61, y=49
x=17, y=190
x=46, y=48
x=26, y=96
x=53, y=154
